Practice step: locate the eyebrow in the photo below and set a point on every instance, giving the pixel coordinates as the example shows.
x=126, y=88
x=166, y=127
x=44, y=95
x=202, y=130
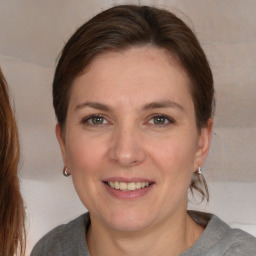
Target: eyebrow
x=149, y=106
x=162, y=104
x=95, y=105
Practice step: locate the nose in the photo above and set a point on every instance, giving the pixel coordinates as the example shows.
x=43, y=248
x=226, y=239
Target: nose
x=127, y=147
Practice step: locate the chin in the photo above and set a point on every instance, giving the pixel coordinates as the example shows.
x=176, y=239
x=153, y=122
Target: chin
x=128, y=221
x=129, y=226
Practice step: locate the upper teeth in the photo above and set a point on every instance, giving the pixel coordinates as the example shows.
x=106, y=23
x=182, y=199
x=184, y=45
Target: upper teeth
x=127, y=186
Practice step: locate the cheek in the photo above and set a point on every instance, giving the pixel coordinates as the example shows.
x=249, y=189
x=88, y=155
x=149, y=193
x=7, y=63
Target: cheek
x=84, y=154
x=174, y=155
x=173, y=159
x=85, y=158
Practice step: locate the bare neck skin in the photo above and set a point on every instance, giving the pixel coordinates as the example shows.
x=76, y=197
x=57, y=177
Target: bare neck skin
x=171, y=237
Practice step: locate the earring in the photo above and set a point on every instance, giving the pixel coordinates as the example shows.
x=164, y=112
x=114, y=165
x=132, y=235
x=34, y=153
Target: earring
x=199, y=170
x=65, y=172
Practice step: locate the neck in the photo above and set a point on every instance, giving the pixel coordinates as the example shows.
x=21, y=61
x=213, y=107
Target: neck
x=171, y=238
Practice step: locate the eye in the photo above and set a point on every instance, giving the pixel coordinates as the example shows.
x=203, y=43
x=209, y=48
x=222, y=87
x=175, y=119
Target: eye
x=94, y=120
x=161, y=120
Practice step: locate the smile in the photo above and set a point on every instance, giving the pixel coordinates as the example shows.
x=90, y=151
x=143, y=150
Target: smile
x=130, y=186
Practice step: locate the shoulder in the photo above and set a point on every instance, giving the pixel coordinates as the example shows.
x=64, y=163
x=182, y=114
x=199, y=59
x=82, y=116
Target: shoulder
x=239, y=243
x=49, y=243
x=220, y=239
x=63, y=239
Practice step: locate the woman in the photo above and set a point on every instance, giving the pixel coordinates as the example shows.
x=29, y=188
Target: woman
x=12, y=215
x=133, y=94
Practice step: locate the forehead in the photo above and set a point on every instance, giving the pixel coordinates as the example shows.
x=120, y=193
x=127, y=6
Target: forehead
x=140, y=73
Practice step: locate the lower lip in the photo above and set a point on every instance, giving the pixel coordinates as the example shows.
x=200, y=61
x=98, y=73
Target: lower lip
x=126, y=195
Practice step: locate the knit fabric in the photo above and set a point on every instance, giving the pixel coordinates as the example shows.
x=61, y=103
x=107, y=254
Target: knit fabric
x=217, y=239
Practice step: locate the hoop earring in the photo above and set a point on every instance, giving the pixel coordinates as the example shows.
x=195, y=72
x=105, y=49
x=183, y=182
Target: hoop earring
x=199, y=170
x=65, y=172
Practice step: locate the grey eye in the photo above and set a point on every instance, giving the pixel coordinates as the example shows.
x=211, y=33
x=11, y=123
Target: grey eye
x=97, y=120
x=160, y=120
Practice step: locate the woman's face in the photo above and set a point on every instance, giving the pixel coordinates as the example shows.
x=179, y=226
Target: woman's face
x=131, y=141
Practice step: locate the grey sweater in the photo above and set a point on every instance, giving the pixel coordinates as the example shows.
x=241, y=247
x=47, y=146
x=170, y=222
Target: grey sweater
x=217, y=239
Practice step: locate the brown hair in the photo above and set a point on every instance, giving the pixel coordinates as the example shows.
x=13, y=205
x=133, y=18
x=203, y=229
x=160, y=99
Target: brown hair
x=12, y=215
x=126, y=26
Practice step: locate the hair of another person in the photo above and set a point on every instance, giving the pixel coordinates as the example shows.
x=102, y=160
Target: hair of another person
x=122, y=27
x=12, y=214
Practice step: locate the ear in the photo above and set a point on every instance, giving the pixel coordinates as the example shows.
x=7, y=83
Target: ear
x=62, y=145
x=203, y=144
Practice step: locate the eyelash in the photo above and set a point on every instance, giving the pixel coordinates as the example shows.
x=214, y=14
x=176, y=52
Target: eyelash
x=169, y=119
x=86, y=119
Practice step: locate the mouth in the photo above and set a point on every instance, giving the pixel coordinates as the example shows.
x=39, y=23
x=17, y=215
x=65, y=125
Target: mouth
x=127, y=186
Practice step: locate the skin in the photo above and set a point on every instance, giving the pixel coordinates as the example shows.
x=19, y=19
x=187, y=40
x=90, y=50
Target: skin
x=131, y=143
